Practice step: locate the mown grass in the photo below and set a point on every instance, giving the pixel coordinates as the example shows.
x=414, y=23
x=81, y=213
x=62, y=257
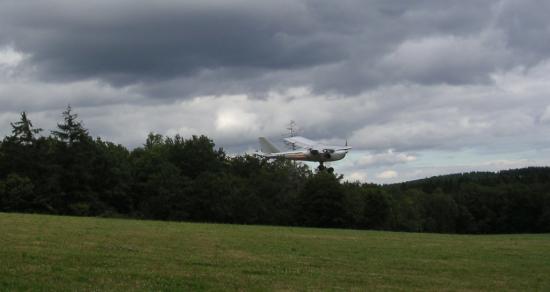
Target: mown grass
x=40, y=252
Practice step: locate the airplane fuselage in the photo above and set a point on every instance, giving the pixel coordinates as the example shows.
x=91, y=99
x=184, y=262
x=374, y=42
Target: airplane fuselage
x=309, y=156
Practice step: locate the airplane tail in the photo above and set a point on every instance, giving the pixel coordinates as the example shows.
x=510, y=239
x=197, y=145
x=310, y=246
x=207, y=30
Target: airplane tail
x=267, y=147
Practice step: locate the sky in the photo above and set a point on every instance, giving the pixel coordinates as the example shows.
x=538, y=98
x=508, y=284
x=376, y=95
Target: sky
x=418, y=88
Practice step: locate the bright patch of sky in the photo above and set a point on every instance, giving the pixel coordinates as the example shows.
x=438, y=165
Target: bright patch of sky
x=9, y=57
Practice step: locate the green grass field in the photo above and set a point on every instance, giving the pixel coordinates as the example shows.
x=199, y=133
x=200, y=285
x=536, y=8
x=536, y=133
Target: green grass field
x=69, y=253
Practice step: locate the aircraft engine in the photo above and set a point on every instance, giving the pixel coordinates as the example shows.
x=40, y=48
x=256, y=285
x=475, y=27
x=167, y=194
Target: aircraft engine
x=326, y=153
x=314, y=151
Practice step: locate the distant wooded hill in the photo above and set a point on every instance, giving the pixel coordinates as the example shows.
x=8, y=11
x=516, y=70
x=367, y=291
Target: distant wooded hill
x=172, y=178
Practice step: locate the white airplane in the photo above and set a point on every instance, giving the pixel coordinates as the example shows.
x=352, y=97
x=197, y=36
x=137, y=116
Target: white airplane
x=311, y=151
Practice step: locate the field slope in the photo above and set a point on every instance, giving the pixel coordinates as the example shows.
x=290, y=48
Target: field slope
x=69, y=253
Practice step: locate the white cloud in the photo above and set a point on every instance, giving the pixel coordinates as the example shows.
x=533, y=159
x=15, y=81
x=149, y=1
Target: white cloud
x=453, y=117
x=10, y=63
x=10, y=57
x=357, y=176
x=387, y=174
x=236, y=120
x=390, y=157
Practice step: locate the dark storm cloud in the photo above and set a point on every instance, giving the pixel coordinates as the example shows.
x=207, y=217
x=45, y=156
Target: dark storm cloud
x=131, y=41
x=248, y=46
x=525, y=24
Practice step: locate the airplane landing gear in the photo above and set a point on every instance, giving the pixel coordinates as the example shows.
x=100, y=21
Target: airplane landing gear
x=323, y=168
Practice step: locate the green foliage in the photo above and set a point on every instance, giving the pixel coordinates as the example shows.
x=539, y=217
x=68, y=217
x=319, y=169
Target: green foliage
x=377, y=209
x=273, y=187
x=177, y=178
x=16, y=193
x=321, y=202
x=408, y=212
x=194, y=156
x=440, y=212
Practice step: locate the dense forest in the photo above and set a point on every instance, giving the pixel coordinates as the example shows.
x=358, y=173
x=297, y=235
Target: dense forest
x=188, y=179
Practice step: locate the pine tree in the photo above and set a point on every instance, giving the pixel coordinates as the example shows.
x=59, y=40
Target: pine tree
x=71, y=130
x=23, y=131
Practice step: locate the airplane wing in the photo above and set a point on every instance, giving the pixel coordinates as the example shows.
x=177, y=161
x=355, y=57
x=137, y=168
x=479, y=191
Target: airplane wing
x=301, y=142
x=332, y=147
x=310, y=144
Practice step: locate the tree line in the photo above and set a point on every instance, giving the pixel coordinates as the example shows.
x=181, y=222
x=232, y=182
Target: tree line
x=68, y=172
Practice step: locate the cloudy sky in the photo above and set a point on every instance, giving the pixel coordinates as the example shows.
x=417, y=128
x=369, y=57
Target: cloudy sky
x=418, y=88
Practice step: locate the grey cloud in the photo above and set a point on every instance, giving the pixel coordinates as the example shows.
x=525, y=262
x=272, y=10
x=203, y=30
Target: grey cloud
x=213, y=47
x=545, y=117
x=526, y=29
x=402, y=117
x=40, y=96
x=128, y=41
x=446, y=59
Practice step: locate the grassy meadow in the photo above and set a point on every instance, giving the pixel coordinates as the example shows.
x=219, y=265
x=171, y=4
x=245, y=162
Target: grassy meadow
x=40, y=252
